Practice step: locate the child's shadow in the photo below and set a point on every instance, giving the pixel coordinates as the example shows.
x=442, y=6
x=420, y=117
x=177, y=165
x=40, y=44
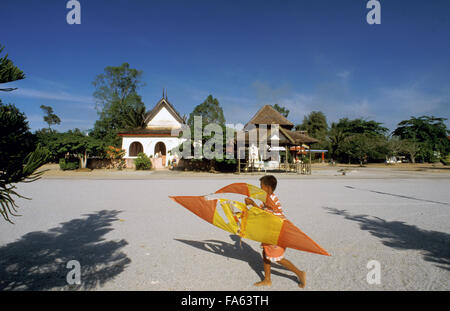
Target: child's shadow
x=245, y=253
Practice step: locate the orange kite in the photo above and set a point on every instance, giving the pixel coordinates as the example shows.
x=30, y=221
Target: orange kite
x=252, y=223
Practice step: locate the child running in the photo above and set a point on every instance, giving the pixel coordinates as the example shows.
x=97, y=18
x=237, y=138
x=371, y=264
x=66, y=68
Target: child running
x=274, y=253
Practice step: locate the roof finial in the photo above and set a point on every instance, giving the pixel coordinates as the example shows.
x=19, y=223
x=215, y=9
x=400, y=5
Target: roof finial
x=163, y=93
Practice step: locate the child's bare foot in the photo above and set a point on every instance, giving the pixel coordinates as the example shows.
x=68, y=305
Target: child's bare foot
x=302, y=279
x=263, y=283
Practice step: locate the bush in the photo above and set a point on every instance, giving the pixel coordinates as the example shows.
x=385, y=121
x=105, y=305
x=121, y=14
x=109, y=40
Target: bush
x=116, y=157
x=142, y=162
x=69, y=164
x=446, y=160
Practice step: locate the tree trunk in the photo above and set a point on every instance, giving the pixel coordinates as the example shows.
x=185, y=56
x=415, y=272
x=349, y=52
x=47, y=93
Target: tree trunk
x=212, y=165
x=83, y=160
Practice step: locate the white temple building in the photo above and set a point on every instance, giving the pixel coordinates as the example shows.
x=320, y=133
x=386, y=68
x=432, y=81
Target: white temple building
x=157, y=138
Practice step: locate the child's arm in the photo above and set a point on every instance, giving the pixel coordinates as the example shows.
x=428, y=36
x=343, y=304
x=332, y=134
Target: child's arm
x=249, y=201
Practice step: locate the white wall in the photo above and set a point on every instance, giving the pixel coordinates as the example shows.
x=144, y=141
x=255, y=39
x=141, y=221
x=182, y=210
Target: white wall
x=149, y=143
x=164, y=119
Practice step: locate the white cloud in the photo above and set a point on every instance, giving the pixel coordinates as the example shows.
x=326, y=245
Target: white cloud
x=54, y=95
x=335, y=98
x=400, y=103
x=46, y=82
x=415, y=101
x=343, y=74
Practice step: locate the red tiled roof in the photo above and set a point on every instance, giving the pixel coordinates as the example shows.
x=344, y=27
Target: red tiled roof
x=149, y=132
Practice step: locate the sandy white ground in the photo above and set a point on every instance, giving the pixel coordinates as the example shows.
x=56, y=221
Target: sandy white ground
x=128, y=235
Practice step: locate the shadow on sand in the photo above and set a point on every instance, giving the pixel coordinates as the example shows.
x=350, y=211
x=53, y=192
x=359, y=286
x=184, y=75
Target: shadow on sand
x=38, y=260
x=234, y=250
x=433, y=245
x=399, y=196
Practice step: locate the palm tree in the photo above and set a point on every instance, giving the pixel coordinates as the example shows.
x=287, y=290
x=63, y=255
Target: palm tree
x=19, y=162
x=8, y=71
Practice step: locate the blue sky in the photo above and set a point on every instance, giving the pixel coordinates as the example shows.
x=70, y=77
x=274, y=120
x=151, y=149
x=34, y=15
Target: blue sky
x=304, y=55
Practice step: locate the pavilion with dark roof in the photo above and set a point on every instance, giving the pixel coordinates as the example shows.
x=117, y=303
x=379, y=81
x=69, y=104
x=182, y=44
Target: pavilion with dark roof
x=288, y=140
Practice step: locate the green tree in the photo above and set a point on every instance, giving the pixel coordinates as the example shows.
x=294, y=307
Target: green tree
x=336, y=137
x=394, y=146
x=8, y=71
x=411, y=147
x=282, y=110
x=47, y=139
x=361, y=147
x=346, y=131
x=75, y=143
x=209, y=110
x=212, y=119
x=361, y=126
x=135, y=118
x=20, y=157
x=213, y=135
x=429, y=131
x=118, y=104
x=315, y=124
x=50, y=118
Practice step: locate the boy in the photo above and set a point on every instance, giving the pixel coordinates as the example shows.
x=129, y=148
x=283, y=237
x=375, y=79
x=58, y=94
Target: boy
x=274, y=253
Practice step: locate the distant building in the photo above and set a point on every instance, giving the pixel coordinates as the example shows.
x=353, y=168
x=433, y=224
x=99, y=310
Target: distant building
x=156, y=139
x=285, y=138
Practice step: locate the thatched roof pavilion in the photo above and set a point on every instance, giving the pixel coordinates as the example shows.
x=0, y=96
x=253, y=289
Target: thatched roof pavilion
x=268, y=116
x=259, y=128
